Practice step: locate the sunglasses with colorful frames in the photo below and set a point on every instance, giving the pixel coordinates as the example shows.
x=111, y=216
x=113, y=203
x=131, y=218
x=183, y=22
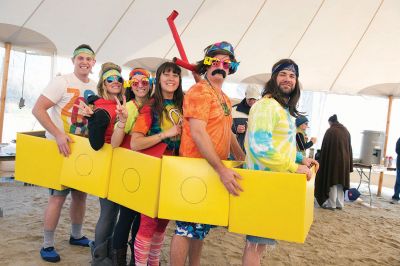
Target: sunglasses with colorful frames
x=114, y=78
x=226, y=64
x=144, y=82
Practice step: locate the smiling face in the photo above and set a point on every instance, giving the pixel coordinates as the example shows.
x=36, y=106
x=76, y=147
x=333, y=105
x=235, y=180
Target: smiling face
x=286, y=81
x=113, y=86
x=169, y=82
x=140, y=86
x=83, y=64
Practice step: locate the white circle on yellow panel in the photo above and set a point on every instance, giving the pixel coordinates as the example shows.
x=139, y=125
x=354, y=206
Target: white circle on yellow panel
x=131, y=180
x=83, y=164
x=193, y=190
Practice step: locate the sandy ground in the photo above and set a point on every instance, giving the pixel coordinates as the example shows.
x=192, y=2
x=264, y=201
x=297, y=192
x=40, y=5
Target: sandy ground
x=357, y=235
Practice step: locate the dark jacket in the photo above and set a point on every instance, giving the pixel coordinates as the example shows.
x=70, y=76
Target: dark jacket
x=336, y=162
x=240, y=114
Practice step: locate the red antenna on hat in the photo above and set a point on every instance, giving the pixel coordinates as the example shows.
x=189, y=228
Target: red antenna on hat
x=184, y=61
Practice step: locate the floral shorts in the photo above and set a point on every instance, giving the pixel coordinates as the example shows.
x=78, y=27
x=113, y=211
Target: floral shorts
x=192, y=230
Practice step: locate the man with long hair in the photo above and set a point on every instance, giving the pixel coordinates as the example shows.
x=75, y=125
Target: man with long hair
x=270, y=142
x=207, y=134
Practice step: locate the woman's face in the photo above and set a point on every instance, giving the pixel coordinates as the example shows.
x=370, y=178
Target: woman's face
x=140, y=85
x=169, y=82
x=304, y=126
x=113, y=85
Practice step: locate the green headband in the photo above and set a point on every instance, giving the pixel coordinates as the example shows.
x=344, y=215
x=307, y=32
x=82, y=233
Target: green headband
x=83, y=50
x=111, y=72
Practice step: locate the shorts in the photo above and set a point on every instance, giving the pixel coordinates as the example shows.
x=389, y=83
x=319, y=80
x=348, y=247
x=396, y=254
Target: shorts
x=192, y=230
x=260, y=240
x=64, y=192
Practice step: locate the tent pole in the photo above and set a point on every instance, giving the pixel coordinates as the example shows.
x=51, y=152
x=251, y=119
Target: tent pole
x=4, y=86
x=386, y=141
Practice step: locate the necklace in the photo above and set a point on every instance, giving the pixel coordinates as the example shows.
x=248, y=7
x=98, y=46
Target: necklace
x=223, y=104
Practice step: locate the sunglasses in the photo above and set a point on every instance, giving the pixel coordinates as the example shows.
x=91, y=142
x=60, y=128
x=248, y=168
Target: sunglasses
x=114, y=78
x=215, y=62
x=144, y=82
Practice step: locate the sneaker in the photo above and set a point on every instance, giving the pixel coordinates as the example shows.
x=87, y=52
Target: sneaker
x=394, y=201
x=83, y=241
x=49, y=254
x=327, y=208
x=339, y=208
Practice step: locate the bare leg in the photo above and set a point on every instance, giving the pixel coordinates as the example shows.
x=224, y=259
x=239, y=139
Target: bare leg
x=179, y=250
x=252, y=254
x=195, y=248
x=53, y=212
x=78, y=207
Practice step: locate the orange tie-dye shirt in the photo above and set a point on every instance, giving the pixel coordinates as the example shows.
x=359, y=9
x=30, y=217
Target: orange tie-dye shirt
x=201, y=102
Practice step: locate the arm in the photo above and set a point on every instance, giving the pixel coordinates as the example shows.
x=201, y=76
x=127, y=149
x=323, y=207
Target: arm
x=204, y=144
x=235, y=149
x=40, y=113
x=301, y=142
x=119, y=130
x=139, y=141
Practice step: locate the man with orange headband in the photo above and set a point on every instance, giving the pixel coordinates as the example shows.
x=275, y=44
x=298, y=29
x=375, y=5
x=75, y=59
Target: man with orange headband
x=59, y=98
x=207, y=134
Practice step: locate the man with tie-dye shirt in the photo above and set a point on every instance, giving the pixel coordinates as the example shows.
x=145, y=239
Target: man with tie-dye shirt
x=271, y=138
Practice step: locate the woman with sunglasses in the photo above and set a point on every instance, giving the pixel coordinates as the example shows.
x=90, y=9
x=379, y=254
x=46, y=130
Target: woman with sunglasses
x=137, y=95
x=162, y=124
x=102, y=116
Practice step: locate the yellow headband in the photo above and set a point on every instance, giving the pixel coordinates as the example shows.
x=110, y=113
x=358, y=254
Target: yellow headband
x=83, y=50
x=111, y=72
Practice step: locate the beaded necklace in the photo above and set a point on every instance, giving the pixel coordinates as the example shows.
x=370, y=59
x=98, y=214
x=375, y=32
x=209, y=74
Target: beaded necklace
x=223, y=104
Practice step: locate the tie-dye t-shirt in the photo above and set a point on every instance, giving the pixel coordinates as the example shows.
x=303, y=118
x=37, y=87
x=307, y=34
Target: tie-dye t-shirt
x=271, y=138
x=65, y=91
x=148, y=123
x=201, y=102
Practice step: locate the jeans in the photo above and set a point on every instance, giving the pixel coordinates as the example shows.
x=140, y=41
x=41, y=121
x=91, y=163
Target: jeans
x=105, y=224
x=397, y=185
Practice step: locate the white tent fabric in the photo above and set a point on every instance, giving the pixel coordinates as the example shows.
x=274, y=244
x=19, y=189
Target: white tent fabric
x=341, y=46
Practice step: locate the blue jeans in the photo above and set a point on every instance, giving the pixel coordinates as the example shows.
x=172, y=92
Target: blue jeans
x=397, y=185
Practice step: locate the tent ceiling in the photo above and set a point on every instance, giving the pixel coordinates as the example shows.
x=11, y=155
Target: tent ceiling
x=341, y=46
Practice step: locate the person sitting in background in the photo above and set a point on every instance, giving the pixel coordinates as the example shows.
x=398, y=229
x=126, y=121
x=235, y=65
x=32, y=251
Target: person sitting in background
x=240, y=113
x=301, y=136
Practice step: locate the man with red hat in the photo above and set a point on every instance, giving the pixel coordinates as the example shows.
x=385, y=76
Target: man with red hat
x=207, y=134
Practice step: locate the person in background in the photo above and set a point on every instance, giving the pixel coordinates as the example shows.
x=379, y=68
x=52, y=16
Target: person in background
x=270, y=140
x=138, y=94
x=240, y=112
x=336, y=163
x=395, y=197
x=63, y=118
x=160, y=124
x=301, y=136
x=101, y=113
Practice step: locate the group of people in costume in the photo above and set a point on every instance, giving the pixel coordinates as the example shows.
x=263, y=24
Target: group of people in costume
x=154, y=112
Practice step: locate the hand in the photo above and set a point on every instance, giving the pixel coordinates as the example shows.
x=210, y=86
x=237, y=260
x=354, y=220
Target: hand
x=230, y=180
x=309, y=162
x=241, y=129
x=84, y=108
x=314, y=140
x=173, y=131
x=121, y=111
x=303, y=169
x=63, y=140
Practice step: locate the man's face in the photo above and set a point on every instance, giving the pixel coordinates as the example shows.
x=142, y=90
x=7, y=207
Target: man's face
x=286, y=81
x=217, y=71
x=83, y=64
x=251, y=101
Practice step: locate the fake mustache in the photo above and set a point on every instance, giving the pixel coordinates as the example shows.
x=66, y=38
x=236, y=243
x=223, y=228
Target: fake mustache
x=219, y=71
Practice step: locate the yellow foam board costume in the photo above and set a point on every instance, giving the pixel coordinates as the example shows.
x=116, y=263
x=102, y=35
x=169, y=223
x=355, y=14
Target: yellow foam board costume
x=135, y=181
x=85, y=169
x=38, y=161
x=273, y=205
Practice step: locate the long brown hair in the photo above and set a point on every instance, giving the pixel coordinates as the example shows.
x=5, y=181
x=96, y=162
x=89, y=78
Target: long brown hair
x=158, y=104
x=272, y=88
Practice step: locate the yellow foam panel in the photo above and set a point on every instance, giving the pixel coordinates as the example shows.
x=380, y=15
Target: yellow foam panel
x=273, y=205
x=192, y=191
x=135, y=181
x=85, y=169
x=38, y=161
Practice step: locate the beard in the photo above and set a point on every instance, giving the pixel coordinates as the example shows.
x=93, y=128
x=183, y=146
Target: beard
x=286, y=92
